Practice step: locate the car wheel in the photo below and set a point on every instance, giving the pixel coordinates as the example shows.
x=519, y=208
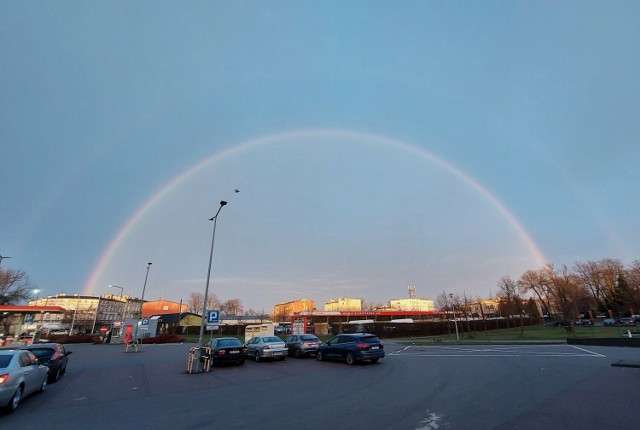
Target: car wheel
x=319, y=356
x=297, y=354
x=374, y=360
x=257, y=357
x=15, y=400
x=350, y=358
x=55, y=376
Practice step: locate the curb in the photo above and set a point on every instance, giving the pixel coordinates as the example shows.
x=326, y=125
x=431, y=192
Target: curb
x=623, y=363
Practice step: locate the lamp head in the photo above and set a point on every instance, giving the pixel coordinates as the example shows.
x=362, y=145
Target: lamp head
x=222, y=203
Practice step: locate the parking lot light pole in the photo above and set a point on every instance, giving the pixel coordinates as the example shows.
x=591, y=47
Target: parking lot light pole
x=115, y=286
x=454, y=317
x=206, y=290
x=135, y=336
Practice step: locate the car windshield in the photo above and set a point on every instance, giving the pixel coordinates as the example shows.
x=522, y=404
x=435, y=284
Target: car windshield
x=229, y=342
x=271, y=339
x=4, y=361
x=312, y=338
x=370, y=339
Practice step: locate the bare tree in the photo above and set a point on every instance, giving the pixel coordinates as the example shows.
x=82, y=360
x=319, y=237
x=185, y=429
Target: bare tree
x=612, y=270
x=195, y=302
x=566, y=289
x=367, y=305
x=467, y=301
x=510, y=296
x=632, y=275
x=507, y=290
x=600, y=279
x=534, y=282
x=442, y=301
x=15, y=288
x=213, y=303
x=232, y=307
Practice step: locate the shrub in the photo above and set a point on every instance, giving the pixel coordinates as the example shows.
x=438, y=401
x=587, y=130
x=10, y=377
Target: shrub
x=75, y=338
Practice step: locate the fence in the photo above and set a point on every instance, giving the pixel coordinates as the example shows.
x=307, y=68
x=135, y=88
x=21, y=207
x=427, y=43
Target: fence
x=429, y=328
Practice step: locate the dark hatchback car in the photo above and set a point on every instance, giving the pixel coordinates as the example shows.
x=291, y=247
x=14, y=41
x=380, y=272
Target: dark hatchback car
x=227, y=350
x=52, y=355
x=352, y=348
x=300, y=345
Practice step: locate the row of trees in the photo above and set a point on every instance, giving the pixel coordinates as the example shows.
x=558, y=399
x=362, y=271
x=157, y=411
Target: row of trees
x=606, y=287
x=227, y=307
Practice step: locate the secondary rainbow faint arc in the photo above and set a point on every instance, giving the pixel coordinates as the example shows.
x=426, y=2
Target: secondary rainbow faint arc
x=264, y=140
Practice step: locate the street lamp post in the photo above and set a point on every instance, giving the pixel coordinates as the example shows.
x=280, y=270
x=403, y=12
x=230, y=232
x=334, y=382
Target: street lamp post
x=454, y=317
x=115, y=286
x=206, y=290
x=135, y=336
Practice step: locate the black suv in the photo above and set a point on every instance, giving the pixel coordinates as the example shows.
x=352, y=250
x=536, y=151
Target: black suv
x=352, y=347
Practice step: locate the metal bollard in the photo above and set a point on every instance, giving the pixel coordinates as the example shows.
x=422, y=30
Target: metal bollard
x=205, y=356
x=191, y=359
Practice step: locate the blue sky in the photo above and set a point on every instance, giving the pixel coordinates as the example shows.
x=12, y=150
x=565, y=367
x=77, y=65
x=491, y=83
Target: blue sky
x=376, y=145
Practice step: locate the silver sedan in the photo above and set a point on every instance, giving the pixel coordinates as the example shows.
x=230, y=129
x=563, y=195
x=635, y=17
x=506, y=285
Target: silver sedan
x=261, y=347
x=20, y=375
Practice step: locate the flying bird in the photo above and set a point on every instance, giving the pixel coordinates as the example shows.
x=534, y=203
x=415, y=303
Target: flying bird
x=237, y=190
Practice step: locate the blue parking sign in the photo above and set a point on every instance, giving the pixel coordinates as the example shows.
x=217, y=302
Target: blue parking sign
x=213, y=317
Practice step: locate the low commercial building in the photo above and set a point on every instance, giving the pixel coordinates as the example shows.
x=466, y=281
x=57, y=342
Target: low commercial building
x=162, y=307
x=282, y=311
x=86, y=314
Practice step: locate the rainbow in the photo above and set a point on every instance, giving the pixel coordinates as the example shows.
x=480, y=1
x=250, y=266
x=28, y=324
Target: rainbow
x=266, y=140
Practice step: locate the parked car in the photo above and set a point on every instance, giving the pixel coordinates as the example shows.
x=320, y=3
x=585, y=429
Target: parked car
x=585, y=322
x=609, y=322
x=352, y=348
x=261, y=347
x=627, y=322
x=20, y=375
x=227, y=350
x=52, y=355
x=300, y=345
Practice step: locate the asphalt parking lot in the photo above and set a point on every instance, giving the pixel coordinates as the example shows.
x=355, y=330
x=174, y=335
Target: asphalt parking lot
x=414, y=387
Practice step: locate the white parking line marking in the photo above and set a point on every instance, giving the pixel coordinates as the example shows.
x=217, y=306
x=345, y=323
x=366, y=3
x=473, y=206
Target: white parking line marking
x=497, y=351
x=586, y=350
